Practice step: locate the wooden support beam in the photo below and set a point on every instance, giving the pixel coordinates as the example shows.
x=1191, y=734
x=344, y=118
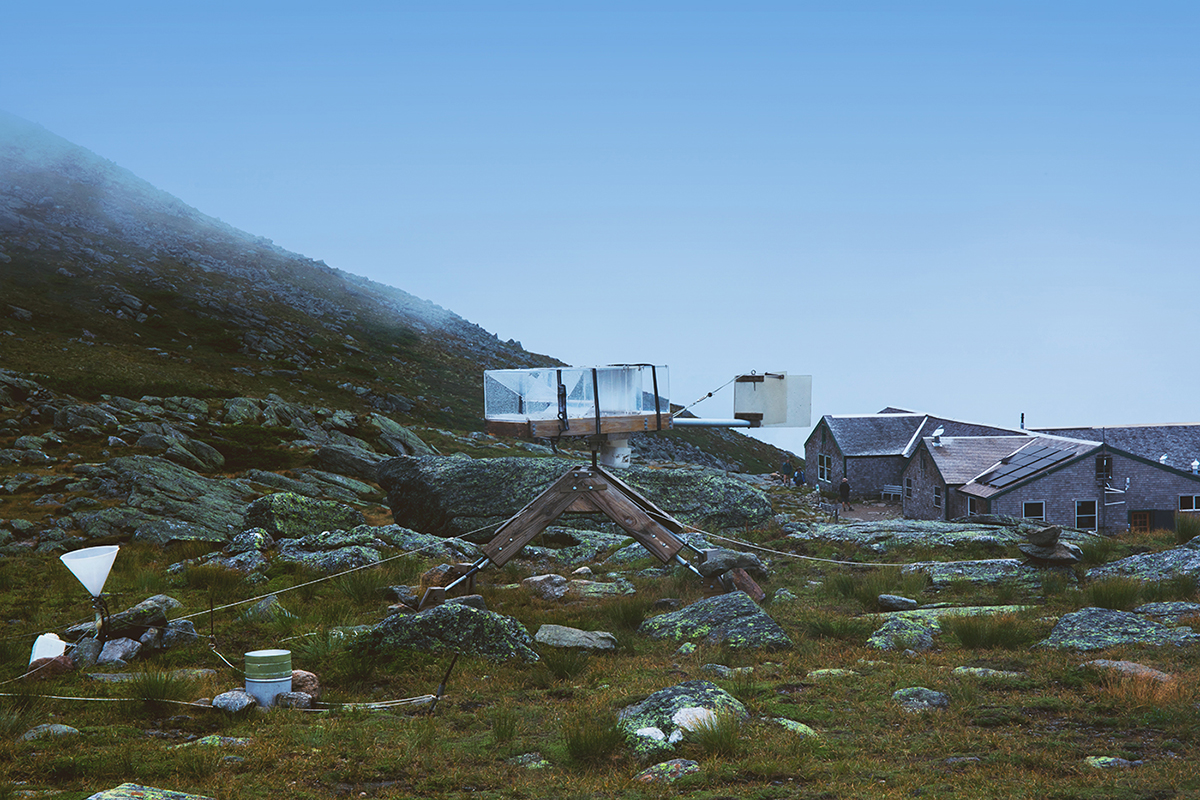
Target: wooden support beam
x=579, y=426
x=520, y=528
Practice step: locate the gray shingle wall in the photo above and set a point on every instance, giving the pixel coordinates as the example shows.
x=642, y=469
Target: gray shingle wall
x=925, y=477
x=1150, y=487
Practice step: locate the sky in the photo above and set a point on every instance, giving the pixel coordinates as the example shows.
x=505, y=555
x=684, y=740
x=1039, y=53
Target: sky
x=974, y=209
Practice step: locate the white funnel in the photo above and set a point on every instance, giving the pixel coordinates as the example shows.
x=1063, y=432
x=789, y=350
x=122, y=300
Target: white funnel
x=91, y=566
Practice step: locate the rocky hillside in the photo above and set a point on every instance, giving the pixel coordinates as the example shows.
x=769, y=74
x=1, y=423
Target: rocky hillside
x=110, y=286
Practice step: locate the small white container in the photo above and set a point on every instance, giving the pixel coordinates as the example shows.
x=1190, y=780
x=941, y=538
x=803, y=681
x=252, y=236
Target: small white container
x=268, y=673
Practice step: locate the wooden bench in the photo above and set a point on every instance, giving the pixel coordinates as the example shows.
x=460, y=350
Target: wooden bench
x=895, y=491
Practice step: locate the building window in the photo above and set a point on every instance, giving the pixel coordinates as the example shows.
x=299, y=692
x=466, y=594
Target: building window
x=1085, y=515
x=924, y=464
x=974, y=506
x=1034, y=510
x=824, y=468
x=1103, y=469
x=1189, y=502
x=908, y=488
x=937, y=497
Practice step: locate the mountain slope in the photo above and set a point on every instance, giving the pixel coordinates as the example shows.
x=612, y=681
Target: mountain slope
x=113, y=286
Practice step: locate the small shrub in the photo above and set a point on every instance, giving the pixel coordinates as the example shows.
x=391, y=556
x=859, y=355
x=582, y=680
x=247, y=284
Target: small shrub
x=1142, y=693
x=719, y=736
x=865, y=587
x=1118, y=593
x=1187, y=527
x=592, y=739
x=989, y=631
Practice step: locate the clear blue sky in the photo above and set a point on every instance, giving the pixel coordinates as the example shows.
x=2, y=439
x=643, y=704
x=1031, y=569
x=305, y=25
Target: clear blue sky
x=976, y=209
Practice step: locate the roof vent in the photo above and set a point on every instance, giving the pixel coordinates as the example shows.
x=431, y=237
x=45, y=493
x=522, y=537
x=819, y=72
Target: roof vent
x=937, y=436
x=1162, y=459
x=1195, y=466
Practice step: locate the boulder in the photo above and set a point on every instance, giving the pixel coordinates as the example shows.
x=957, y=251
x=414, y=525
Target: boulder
x=352, y=461
x=731, y=619
x=133, y=621
x=657, y=723
x=573, y=638
x=195, y=455
x=894, y=602
x=1129, y=669
x=451, y=628
x=48, y=730
x=1098, y=628
x=905, y=632
x=668, y=771
x=307, y=682
x=155, y=488
x=50, y=667
x=1182, y=560
x=918, y=698
x=397, y=439
x=718, y=560
x=989, y=571
x=286, y=515
x=454, y=495
x=1060, y=554
x=119, y=651
x=234, y=701
x=547, y=587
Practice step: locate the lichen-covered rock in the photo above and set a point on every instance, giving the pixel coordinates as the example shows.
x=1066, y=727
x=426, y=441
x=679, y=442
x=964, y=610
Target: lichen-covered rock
x=352, y=461
x=668, y=771
x=1182, y=560
x=918, y=698
x=720, y=559
x=729, y=619
x=133, y=621
x=660, y=710
x=47, y=730
x=454, y=495
x=906, y=631
x=1172, y=611
x=155, y=488
x=286, y=515
x=451, y=628
x=1098, y=628
x=990, y=572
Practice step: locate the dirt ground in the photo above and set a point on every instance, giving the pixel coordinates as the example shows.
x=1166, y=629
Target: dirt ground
x=872, y=510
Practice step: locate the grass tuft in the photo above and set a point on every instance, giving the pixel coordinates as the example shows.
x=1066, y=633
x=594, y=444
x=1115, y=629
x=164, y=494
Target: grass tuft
x=992, y=631
x=592, y=739
x=720, y=736
x=1118, y=593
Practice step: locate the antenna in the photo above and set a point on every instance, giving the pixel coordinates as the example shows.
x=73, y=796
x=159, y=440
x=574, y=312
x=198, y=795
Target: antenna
x=91, y=566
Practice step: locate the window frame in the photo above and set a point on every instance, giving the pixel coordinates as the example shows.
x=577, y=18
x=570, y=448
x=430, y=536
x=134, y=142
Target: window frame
x=972, y=503
x=937, y=497
x=1194, y=501
x=824, y=467
x=1025, y=507
x=1094, y=516
x=908, y=488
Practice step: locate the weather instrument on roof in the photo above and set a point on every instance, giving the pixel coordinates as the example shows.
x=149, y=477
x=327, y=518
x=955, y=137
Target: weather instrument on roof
x=604, y=406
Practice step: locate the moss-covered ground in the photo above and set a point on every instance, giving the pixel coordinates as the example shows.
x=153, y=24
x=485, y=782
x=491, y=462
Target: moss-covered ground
x=1022, y=731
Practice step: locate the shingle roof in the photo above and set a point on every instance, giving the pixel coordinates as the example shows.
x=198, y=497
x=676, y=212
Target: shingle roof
x=961, y=458
x=1180, y=443
x=896, y=433
x=874, y=434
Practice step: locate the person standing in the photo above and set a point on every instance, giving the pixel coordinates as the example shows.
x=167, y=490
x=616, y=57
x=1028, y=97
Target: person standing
x=844, y=494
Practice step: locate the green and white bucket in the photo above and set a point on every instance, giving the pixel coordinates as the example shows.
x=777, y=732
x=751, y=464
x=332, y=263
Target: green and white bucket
x=268, y=672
